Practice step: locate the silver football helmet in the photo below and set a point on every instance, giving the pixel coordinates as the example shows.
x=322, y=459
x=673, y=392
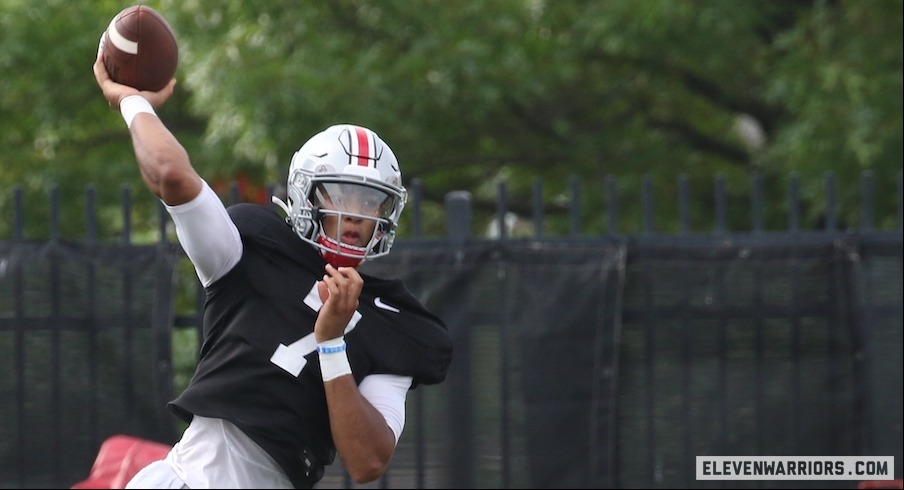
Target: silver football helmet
x=341, y=178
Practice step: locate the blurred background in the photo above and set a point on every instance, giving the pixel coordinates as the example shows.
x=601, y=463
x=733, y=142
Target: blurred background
x=764, y=115
x=469, y=93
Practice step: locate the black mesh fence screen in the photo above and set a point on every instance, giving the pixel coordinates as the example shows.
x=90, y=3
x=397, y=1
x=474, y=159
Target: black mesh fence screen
x=529, y=400
x=85, y=352
x=881, y=323
x=604, y=363
x=738, y=348
x=613, y=364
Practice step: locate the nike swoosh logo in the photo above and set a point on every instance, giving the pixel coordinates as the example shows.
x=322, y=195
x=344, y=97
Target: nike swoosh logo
x=378, y=302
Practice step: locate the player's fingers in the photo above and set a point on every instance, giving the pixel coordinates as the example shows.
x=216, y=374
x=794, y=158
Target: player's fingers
x=343, y=296
x=348, y=277
x=353, y=281
x=100, y=73
x=352, y=274
x=323, y=290
x=349, y=272
x=338, y=292
x=330, y=285
x=103, y=81
x=336, y=276
x=158, y=98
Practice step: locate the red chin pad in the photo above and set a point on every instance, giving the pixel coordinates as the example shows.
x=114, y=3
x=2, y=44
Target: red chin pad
x=337, y=260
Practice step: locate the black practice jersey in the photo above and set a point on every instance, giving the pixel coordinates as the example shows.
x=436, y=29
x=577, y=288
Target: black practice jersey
x=259, y=368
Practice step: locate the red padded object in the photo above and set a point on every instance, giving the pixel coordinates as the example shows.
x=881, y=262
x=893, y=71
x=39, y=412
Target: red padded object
x=876, y=484
x=119, y=458
x=140, y=49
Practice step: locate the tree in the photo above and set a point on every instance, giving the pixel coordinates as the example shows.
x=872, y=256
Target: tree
x=471, y=92
x=474, y=93
x=56, y=129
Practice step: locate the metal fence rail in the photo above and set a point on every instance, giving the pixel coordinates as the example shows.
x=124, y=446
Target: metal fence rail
x=460, y=223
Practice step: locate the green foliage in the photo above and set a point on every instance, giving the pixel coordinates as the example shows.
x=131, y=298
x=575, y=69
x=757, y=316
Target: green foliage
x=185, y=357
x=847, y=106
x=470, y=94
x=56, y=130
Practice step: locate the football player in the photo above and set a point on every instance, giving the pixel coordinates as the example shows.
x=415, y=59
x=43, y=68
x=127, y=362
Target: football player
x=302, y=357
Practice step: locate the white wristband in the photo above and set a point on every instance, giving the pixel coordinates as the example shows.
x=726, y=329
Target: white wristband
x=333, y=359
x=132, y=105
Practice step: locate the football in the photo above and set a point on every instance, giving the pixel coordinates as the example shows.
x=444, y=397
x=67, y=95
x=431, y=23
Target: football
x=140, y=49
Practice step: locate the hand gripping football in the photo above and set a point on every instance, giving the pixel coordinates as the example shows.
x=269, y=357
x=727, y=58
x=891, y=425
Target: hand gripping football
x=140, y=49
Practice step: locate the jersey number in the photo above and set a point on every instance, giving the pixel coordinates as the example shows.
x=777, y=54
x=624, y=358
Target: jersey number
x=291, y=357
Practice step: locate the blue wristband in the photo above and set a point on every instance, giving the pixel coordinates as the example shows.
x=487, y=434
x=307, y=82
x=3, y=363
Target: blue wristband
x=322, y=349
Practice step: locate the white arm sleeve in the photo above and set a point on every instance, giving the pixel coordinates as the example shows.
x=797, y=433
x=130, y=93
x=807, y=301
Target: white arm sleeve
x=387, y=393
x=207, y=234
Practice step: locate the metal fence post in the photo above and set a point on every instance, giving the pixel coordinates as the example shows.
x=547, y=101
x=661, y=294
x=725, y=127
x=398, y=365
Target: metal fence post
x=462, y=444
x=458, y=216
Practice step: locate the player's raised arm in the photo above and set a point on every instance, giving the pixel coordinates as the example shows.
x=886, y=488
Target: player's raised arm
x=164, y=164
